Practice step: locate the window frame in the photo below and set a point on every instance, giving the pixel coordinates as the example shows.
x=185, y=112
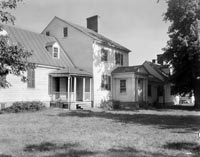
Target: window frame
x=106, y=82
x=47, y=33
x=65, y=32
x=122, y=86
x=56, y=52
x=119, y=58
x=104, y=55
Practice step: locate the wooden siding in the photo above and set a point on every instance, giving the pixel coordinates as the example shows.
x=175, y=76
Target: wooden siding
x=103, y=68
x=19, y=91
x=77, y=45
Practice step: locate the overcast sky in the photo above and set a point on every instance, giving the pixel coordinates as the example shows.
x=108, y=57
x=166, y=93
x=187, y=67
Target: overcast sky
x=136, y=24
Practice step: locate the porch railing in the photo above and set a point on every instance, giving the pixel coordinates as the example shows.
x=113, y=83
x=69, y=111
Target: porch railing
x=63, y=96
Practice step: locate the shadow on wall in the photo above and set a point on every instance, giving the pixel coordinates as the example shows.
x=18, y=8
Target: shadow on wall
x=99, y=65
x=185, y=123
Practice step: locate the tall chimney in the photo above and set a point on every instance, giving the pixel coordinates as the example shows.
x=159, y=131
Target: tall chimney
x=92, y=23
x=160, y=59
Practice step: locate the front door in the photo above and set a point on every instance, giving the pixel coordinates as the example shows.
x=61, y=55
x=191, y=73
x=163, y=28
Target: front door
x=140, y=90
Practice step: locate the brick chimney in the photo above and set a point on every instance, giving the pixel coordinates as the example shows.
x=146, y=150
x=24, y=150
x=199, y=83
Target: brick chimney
x=160, y=59
x=92, y=23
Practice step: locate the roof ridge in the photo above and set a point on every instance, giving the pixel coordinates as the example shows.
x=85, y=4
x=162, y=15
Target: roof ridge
x=22, y=29
x=94, y=35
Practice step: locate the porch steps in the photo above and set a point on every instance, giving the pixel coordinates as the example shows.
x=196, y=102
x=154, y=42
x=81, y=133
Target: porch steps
x=83, y=106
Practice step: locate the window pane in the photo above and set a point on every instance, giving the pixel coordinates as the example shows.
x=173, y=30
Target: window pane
x=122, y=86
x=104, y=55
x=106, y=82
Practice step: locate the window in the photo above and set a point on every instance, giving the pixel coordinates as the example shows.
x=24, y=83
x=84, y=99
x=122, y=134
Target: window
x=106, y=82
x=55, y=52
x=65, y=31
x=119, y=59
x=48, y=33
x=122, y=86
x=31, y=78
x=104, y=55
x=149, y=90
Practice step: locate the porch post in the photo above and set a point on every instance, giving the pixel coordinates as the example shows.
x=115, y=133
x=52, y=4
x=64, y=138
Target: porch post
x=68, y=90
x=74, y=88
x=90, y=89
x=83, y=89
x=136, y=89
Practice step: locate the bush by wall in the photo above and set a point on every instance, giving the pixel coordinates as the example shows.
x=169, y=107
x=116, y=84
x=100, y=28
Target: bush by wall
x=28, y=106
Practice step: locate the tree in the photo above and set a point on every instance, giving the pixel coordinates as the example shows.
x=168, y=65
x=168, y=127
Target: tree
x=13, y=57
x=183, y=48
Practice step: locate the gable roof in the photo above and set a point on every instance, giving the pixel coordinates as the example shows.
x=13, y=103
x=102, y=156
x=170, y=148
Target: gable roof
x=130, y=69
x=94, y=35
x=36, y=43
x=160, y=73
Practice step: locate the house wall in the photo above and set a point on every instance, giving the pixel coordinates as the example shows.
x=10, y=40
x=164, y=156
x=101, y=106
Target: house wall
x=19, y=91
x=103, y=68
x=129, y=96
x=154, y=93
x=77, y=45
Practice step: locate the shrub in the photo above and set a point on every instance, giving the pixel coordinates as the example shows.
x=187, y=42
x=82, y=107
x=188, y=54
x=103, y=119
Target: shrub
x=29, y=106
x=107, y=105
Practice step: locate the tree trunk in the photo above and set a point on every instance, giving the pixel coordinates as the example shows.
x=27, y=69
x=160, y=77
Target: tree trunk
x=197, y=94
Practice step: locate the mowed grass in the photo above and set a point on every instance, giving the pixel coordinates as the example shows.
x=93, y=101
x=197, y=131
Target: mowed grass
x=62, y=133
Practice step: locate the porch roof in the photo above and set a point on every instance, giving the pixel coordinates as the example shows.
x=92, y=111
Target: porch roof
x=70, y=71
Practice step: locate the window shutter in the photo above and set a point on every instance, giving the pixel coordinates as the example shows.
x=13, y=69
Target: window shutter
x=122, y=60
x=31, y=78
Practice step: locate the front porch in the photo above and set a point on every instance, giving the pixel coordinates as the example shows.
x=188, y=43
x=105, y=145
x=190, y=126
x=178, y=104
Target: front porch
x=71, y=91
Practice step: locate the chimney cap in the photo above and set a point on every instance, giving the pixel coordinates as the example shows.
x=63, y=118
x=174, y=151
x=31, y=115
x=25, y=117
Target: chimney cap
x=95, y=16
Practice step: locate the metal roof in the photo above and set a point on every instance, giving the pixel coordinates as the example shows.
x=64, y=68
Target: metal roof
x=70, y=71
x=95, y=35
x=36, y=43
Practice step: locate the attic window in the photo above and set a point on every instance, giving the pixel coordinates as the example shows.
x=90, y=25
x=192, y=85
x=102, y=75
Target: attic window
x=48, y=33
x=55, y=52
x=65, y=31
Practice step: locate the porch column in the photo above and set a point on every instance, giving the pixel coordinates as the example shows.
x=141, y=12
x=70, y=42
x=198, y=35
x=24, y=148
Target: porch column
x=136, y=89
x=74, y=88
x=83, y=89
x=68, y=90
x=90, y=89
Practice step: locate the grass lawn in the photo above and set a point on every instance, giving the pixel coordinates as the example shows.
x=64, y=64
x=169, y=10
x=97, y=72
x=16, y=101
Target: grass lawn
x=59, y=133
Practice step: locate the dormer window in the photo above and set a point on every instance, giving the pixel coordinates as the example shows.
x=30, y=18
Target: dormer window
x=53, y=48
x=65, y=31
x=55, y=52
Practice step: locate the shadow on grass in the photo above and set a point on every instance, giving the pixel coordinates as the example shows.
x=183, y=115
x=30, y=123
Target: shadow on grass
x=74, y=150
x=194, y=148
x=130, y=152
x=189, y=123
x=3, y=155
x=68, y=150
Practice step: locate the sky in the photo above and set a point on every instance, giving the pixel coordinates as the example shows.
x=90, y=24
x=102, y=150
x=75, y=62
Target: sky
x=135, y=24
